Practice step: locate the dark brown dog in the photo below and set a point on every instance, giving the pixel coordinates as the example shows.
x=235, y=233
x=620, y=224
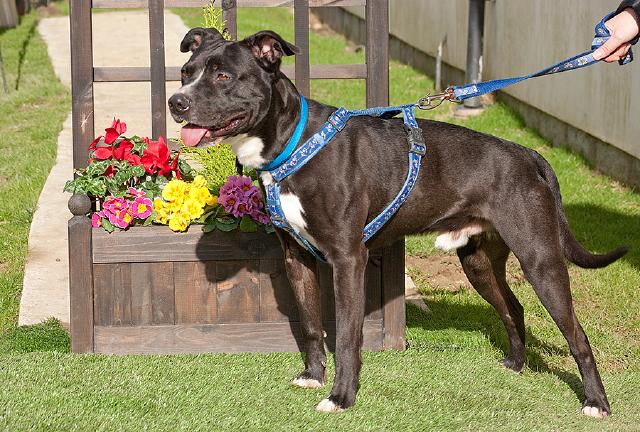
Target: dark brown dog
x=485, y=196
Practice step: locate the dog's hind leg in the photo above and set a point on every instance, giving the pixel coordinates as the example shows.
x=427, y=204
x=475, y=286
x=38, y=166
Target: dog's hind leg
x=532, y=232
x=300, y=266
x=484, y=261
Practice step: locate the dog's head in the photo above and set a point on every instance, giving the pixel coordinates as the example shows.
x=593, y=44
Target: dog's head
x=226, y=86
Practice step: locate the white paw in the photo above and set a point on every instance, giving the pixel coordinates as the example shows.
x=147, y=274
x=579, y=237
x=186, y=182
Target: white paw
x=326, y=405
x=592, y=411
x=307, y=383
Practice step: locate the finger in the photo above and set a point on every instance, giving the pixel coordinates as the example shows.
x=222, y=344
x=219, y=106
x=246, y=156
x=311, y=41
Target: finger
x=619, y=53
x=605, y=50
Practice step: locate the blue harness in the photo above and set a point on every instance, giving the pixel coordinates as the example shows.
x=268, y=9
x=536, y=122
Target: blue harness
x=292, y=159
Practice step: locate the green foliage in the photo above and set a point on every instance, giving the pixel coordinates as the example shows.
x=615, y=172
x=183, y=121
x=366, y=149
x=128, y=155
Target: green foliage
x=217, y=164
x=212, y=18
x=46, y=336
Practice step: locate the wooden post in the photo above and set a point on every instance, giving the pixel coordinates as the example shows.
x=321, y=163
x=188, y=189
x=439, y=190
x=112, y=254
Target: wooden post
x=158, y=74
x=80, y=275
x=301, y=25
x=230, y=17
x=81, y=80
x=377, y=57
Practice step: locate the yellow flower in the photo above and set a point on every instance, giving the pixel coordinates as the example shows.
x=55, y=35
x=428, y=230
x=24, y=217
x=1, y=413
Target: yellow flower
x=212, y=200
x=200, y=194
x=162, y=213
x=193, y=208
x=175, y=205
x=174, y=190
x=199, y=181
x=179, y=221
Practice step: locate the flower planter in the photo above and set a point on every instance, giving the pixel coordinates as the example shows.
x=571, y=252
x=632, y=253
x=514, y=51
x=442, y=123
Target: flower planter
x=149, y=290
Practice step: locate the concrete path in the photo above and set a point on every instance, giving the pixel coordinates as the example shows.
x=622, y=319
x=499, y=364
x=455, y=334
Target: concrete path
x=45, y=292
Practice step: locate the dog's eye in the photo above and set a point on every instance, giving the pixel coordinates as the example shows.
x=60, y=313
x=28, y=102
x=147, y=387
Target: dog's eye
x=222, y=77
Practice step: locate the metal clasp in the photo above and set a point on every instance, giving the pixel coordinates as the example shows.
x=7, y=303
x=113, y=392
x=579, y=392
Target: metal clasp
x=430, y=101
x=415, y=138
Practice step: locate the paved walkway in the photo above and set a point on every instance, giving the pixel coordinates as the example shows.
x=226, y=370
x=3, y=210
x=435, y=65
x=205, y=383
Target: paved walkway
x=46, y=282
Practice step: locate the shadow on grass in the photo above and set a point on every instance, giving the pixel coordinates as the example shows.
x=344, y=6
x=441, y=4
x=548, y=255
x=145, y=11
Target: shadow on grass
x=445, y=314
x=47, y=336
x=601, y=229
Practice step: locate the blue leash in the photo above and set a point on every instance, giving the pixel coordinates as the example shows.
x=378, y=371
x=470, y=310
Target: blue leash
x=460, y=93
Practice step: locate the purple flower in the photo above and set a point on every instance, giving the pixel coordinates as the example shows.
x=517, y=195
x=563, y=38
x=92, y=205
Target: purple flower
x=239, y=197
x=260, y=217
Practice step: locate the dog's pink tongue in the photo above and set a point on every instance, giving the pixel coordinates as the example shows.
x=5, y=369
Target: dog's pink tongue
x=192, y=135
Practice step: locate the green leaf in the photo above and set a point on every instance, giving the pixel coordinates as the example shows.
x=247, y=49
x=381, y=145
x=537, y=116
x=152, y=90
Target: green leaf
x=269, y=229
x=227, y=220
x=226, y=227
x=248, y=225
x=138, y=170
x=208, y=228
x=108, y=226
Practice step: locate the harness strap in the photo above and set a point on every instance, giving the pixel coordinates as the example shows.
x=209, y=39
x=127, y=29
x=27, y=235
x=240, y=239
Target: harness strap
x=303, y=154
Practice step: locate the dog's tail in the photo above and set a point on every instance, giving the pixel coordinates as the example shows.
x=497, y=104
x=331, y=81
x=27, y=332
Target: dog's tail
x=573, y=250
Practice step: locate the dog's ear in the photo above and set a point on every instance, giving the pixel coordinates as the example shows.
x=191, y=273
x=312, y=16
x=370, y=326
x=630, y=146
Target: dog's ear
x=198, y=36
x=269, y=48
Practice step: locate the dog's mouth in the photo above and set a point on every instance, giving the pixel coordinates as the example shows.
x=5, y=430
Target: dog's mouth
x=193, y=135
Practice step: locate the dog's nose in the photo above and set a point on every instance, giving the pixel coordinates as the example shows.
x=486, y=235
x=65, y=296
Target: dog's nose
x=179, y=103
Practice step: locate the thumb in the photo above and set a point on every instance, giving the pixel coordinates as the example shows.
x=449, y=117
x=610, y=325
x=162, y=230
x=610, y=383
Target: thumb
x=605, y=50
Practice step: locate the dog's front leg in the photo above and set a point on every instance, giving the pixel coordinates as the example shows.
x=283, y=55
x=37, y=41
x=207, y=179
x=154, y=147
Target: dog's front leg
x=348, y=285
x=300, y=266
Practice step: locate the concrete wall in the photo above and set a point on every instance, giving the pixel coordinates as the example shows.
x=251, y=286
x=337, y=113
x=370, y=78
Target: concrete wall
x=523, y=36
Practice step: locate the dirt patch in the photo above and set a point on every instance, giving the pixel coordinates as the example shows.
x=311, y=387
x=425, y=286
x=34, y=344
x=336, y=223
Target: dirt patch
x=444, y=272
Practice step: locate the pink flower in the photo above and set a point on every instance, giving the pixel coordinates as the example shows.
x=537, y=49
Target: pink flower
x=136, y=193
x=96, y=219
x=260, y=217
x=121, y=218
x=239, y=197
x=142, y=207
x=114, y=204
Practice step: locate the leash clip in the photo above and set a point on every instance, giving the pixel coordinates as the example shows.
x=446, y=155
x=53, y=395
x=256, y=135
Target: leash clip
x=430, y=101
x=415, y=138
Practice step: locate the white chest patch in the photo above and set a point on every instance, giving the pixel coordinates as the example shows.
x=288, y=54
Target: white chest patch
x=266, y=178
x=248, y=149
x=292, y=209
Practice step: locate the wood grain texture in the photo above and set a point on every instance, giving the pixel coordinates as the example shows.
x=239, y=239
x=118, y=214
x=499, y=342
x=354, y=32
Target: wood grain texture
x=195, y=292
x=156, y=281
x=238, y=289
x=139, y=4
x=81, y=80
x=80, y=285
x=301, y=29
x=172, y=73
x=377, y=52
x=228, y=338
x=393, y=296
x=277, y=302
x=230, y=17
x=112, y=294
x=159, y=244
x=157, y=62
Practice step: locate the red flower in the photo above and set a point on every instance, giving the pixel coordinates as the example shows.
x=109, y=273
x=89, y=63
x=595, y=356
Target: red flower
x=120, y=152
x=156, y=158
x=117, y=128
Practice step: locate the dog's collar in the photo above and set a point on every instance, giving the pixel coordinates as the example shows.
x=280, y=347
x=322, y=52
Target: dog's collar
x=294, y=140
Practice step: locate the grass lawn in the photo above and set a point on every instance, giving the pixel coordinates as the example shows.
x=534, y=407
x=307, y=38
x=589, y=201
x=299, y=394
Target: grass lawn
x=448, y=378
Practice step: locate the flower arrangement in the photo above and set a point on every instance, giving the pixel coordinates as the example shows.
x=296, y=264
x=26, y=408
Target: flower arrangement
x=137, y=181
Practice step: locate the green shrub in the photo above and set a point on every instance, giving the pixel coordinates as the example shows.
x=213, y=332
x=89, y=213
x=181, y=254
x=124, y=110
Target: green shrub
x=215, y=163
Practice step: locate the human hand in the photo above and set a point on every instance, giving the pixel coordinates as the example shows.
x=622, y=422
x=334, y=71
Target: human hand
x=624, y=28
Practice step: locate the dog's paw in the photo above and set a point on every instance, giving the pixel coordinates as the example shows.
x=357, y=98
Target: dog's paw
x=309, y=383
x=327, y=405
x=594, y=411
x=512, y=364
